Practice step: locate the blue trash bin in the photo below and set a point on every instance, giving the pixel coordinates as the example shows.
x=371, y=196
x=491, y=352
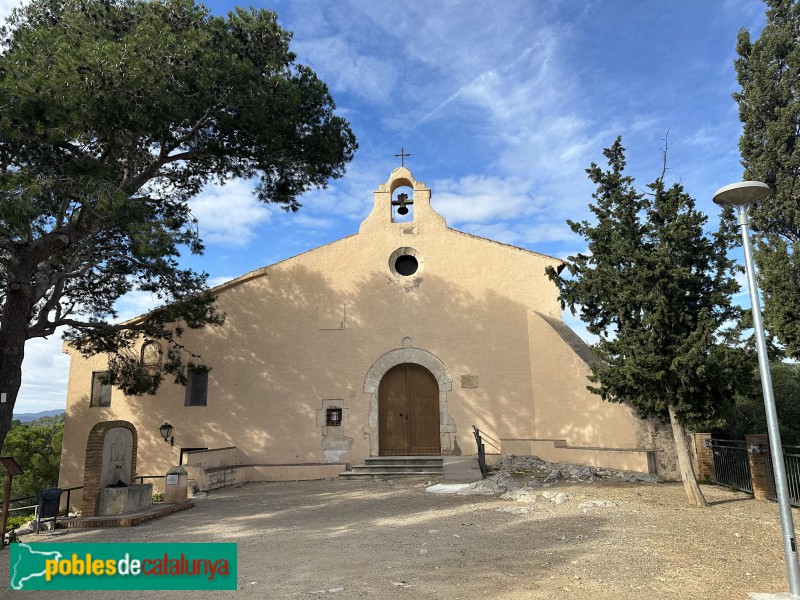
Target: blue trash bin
x=49, y=503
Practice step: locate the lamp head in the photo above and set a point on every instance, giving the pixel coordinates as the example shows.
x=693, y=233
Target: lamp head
x=166, y=430
x=741, y=194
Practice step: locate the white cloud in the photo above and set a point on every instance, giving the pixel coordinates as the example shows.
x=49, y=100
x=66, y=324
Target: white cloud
x=134, y=304
x=220, y=279
x=6, y=7
x=45, y=372
x=550, y=232
x=499, y=232
x=229, y=214
x=349, y=199
x=340, y=64
x=308, y=222
x=479, y=198
x=533, y=236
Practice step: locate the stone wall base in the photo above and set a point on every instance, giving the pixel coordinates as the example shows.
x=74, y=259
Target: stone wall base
x=641, y=461
x=204, y=479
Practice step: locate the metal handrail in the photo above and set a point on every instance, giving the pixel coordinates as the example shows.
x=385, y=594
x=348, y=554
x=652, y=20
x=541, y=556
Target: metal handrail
x=141, y=478
x=21, y=499
x=490, y=441
x=69, y=493
x=481, y=451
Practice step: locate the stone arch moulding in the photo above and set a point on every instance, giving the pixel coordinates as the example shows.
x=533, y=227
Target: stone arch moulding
x=93, y=463
x=423, y=358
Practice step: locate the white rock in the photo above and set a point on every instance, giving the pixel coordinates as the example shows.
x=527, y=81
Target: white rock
x=447, y=488
x=517, y=510
x=519, y=496
x=24, y=529
x=598, y=503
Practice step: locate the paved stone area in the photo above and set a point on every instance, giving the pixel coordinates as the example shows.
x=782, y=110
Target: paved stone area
x=391, y=539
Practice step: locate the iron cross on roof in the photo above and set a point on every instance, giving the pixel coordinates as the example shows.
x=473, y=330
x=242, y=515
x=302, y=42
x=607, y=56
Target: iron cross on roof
x=402, y=156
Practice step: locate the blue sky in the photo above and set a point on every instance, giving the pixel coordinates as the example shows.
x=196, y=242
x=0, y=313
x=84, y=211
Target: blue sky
x=502, y=106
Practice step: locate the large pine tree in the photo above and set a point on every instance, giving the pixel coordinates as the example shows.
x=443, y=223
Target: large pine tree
x=769, y=107
x=113, y=115
x=657, y=291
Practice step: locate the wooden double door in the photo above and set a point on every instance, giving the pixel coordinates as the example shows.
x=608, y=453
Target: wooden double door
x=408, y=412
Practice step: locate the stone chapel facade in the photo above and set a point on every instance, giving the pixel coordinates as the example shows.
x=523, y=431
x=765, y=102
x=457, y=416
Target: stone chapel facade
x=395, y=340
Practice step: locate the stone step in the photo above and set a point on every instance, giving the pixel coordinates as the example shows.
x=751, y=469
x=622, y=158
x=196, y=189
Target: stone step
x=433, y=461
x=395, y=473
x=396, y=466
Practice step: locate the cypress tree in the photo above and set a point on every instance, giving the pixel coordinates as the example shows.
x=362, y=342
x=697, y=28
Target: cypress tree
x=657, y=291
x=768, y=71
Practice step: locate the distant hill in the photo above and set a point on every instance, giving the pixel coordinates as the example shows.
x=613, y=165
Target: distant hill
x=27, y=417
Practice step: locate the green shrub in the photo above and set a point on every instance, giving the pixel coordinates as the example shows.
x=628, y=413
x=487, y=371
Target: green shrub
x=14, y=522
x=158, y=497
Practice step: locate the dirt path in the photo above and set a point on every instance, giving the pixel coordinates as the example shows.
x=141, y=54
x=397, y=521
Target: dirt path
x=383, y=539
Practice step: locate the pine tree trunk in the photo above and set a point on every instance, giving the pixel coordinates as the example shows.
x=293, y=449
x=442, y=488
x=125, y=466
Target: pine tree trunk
x=693, y=492
x=13, y=334
x=12, y=351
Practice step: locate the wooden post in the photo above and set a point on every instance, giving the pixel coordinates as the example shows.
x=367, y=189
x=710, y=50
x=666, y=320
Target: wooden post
x=12, y=468
x=6, y=499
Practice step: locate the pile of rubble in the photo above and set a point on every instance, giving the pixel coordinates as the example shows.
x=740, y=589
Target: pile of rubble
x=513, y=473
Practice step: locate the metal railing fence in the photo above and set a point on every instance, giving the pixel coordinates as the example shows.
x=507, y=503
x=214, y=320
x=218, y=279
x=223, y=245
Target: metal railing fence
x=791, y=460
x=731, y=464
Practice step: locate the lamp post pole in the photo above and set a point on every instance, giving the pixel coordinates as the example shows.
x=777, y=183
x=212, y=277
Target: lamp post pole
x=740, y=195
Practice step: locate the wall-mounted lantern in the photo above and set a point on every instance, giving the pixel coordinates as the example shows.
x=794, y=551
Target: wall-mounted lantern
x=166, y=433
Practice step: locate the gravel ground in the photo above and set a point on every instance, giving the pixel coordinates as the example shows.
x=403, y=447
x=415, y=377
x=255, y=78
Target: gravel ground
x=391, y=539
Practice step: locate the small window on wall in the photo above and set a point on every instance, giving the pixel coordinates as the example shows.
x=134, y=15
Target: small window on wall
x=151, y=355
x=197, y=388
x=101, y=392
x=333, y=417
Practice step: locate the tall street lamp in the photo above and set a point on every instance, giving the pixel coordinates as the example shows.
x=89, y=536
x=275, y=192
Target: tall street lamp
x=740, y=195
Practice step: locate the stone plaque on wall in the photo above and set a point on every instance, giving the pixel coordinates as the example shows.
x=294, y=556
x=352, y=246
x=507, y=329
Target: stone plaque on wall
x=469, y=381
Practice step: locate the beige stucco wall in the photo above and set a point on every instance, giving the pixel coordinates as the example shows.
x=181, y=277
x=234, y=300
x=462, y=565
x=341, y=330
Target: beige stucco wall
x=211, y=459
x=304, y=333
x=565, y=408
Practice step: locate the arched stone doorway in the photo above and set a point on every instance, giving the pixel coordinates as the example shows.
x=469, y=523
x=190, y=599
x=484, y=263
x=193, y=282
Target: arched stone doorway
x=444, y=381
x=408, y=412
